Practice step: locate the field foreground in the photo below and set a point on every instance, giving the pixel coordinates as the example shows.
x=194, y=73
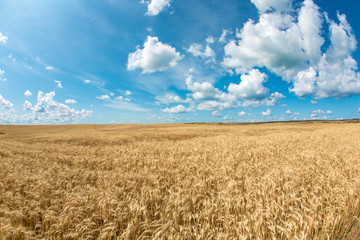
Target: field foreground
x=180, y=181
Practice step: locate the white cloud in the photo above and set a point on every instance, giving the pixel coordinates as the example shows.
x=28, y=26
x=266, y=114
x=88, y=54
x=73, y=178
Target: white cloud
x=212, y=105
x=266, y=43
x=266, y=113
x=279, y=42
x=206, y=91
x=315, y=114
x=46, y=110
x=119, y=98
x=87, y=81
x=178, y=109
x=223, y=35
x=103, y=97
x=49, y=67
x=122, y=99
x=209, y=98
x=3, y=38
x=228, y=118
x=210, y=40
x=198, y=50
x=111, y=94
x=242, y=114
x=265, y=5
x=318, y=112
x=313, y=102
x=251, y=86
x=272, y=100
x=155, y=56
x=304, y=84
x=70, y=101
x=58, y=83
x=27, y=105
x=156, y=6
x=216, y=114
x=288, y=112
x=5, y=103
x=27, y=93
x=329, y=112
x=127, y=92
x=290, y=45
x=172, y=98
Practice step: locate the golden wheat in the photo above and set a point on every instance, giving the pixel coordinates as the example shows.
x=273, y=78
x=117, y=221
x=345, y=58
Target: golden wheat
x=180, y=181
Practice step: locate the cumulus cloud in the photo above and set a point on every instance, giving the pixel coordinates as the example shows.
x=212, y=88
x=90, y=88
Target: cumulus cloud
x=318, y=112
x=70, y=101
x=58, y=83
x=27, y=93
x=127, y=92
x=250, y=92
x=206, y=91
x=204, y=52
x=292, y=46
x=210, y=40
x=212, y=105
x=288, y=112
x=313, y=102
x=103, y=97
x=27, y=105
x=49, y=68
x=251, y=86
x=46, y=110
x=242, y=114
x=3, y=38
x=216, y=114
x=87, y=81
x=265, y=5
x=5, y=103
x=156, y=6
x=329, y=112
x=155, y=56
x=178, y=109
x=315, y=114
x=266, y=113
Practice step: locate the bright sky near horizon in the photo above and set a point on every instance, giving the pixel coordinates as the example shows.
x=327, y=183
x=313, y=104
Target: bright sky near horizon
x=156, y=61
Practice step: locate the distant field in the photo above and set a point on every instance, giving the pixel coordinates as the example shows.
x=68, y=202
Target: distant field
x=181, y=181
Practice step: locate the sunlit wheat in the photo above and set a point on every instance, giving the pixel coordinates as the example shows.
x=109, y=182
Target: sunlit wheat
x=180, y=181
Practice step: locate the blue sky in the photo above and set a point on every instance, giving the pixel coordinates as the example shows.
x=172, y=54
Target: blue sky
x=138, y=61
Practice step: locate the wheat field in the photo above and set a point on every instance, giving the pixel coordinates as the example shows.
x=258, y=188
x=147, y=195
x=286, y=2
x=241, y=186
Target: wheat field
x=181, y=181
